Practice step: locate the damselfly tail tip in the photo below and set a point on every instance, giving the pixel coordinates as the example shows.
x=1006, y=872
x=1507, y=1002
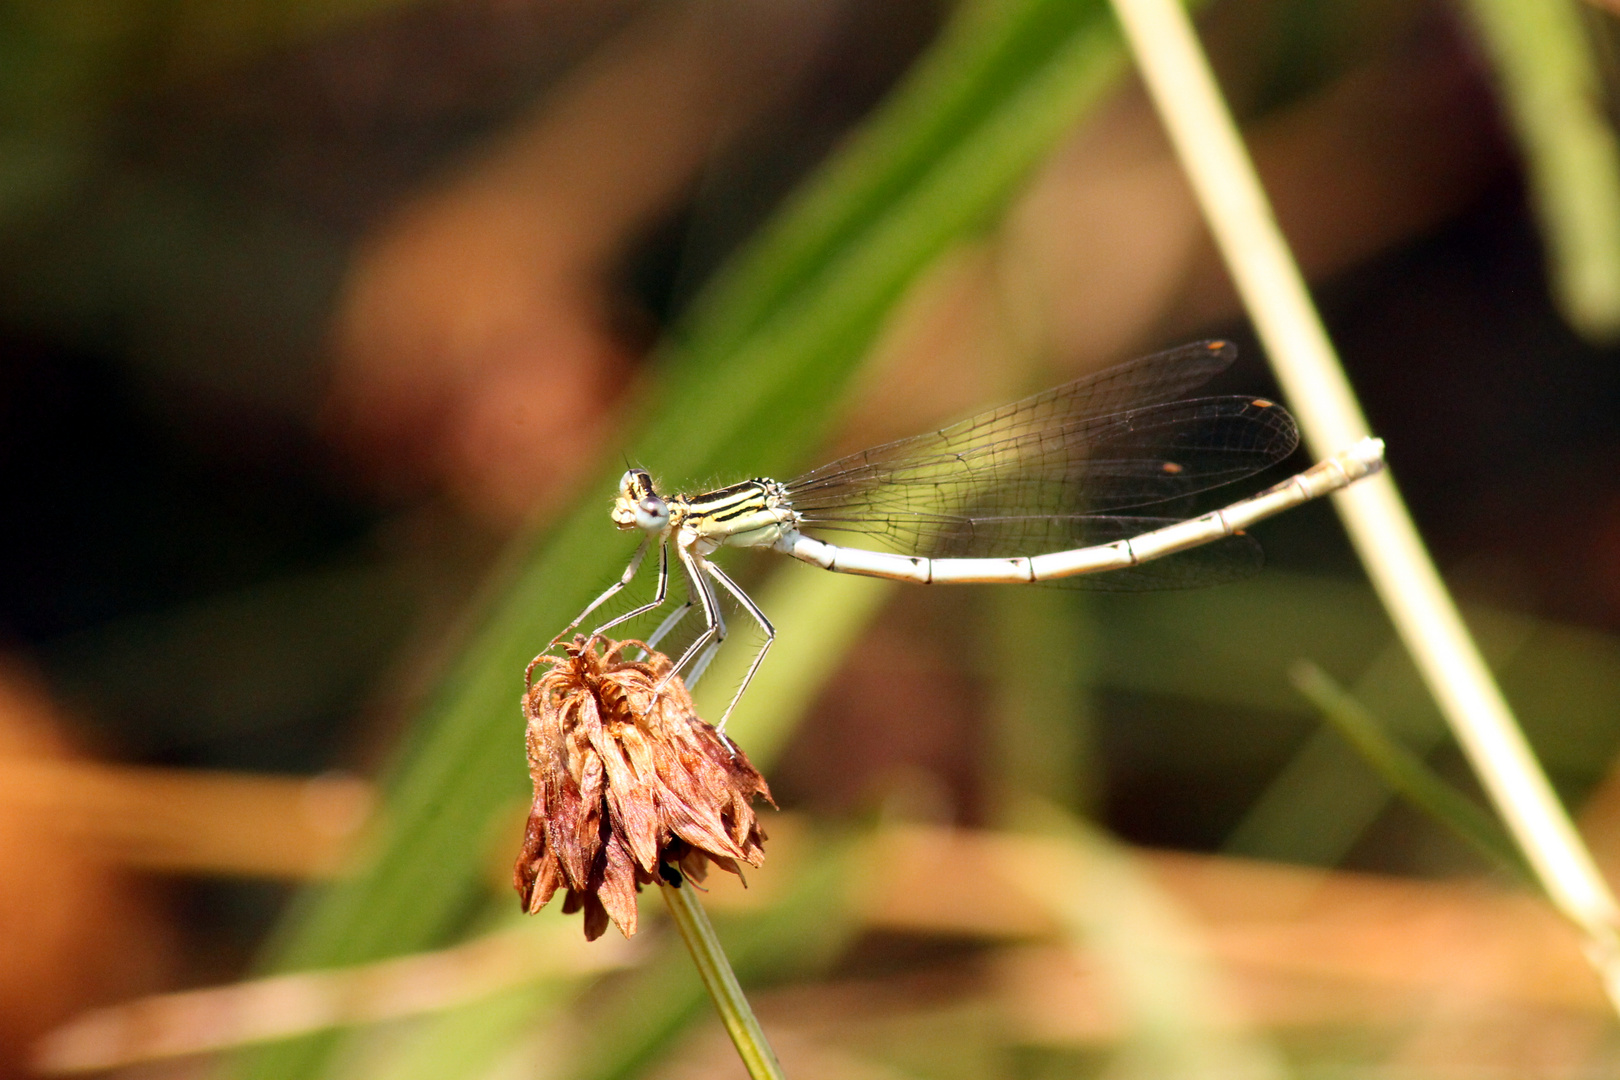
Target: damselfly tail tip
x=1370, y=452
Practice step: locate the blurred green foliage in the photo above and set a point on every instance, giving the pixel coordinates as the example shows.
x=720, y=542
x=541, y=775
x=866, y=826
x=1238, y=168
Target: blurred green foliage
x=65, y=65
x=1405, y=772
x=746, y=384
x=1548, y=74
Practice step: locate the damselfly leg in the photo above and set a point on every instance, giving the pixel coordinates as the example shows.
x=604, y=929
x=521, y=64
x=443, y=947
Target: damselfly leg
x=697, y=656
x=753, y=609
x=613, y=590
x=609, y=593
x=671, y=621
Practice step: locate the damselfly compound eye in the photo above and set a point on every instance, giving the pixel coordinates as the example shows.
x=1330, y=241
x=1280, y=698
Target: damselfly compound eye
x=651, y=513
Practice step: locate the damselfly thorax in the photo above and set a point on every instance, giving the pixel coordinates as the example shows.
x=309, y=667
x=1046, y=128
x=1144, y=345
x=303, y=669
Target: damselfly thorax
x=754, y=513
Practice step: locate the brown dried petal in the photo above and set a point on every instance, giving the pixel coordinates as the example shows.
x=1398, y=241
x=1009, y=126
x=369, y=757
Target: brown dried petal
x=627, y=778
x=619, y=885
x=538, y=875
x=635, y=805
x=576, y=827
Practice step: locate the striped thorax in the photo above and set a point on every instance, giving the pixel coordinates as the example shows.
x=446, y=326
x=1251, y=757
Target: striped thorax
x=754, y=513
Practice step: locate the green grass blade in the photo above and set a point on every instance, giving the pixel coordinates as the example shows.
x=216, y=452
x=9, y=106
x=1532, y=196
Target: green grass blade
x=1406, y=773
x=989, y=44
x=748, y=387
x=1548, y=77
x=1040, y=664
x=468, y=1041
x=818, y=617
x=1319, y=805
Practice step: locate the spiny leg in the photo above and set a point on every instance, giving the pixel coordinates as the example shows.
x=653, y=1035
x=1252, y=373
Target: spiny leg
x=764, y=624
x=714, y=628
x=607, y=594
x=659, y=593
x=671, y=622
x=701, y=665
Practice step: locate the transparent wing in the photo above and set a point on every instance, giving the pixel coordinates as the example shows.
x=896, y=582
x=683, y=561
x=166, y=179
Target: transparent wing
x=1147, y=380
x=1057, y=470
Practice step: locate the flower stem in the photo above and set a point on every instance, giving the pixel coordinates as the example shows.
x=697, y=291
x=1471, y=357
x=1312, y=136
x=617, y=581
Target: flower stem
x=693, y=922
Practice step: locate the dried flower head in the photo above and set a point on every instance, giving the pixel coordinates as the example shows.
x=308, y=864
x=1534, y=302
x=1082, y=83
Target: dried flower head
x=628, y=780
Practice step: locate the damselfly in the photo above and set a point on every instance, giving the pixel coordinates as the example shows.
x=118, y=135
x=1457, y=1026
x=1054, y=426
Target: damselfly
x=1048, y=489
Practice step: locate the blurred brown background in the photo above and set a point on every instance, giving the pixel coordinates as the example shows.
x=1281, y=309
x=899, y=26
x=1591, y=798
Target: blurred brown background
x=306, y=311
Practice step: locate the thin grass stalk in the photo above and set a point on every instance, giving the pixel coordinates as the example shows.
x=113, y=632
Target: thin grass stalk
x=1551, y=88
x=735, y=1013
x=1405, y=771
x=1273, y=289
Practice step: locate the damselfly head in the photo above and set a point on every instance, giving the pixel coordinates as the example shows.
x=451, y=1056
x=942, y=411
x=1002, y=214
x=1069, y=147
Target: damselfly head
x=638, y=505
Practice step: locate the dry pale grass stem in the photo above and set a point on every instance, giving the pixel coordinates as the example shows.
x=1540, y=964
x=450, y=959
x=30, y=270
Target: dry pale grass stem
x=631, y=786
